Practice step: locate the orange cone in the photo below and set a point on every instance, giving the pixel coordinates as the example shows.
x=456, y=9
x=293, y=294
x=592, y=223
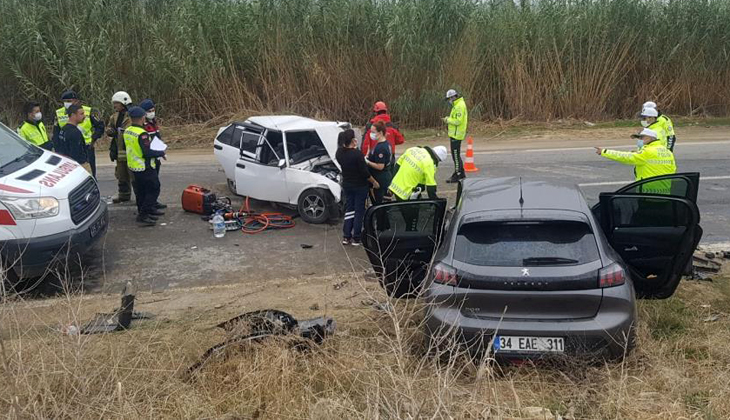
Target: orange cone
x=469, y=165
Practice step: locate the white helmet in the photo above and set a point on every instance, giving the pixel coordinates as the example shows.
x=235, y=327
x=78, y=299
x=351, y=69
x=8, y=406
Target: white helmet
x=441, y=152
x=122, y=97
x=649, y=133
x=649, y=104
x=649, y=112
x=451, y=93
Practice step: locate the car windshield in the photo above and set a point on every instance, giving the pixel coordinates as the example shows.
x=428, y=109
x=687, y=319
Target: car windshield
x=524, y=244
x=15, y=153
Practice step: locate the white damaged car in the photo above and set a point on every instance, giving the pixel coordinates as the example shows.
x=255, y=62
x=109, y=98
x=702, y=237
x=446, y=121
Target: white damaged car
x=284, y=159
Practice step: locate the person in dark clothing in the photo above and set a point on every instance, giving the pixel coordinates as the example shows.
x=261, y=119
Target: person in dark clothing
x=141, y=162
x=356, y=181
x=151, y=127
x=379, y=161
x=71, y=141
x=91, y=127
x=32, y=130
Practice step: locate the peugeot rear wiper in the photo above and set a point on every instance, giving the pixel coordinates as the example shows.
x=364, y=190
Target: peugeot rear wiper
x=548, y=261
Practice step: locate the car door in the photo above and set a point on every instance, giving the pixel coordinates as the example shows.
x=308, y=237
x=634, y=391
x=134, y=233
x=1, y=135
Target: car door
x=258, y=174
x=226, y=147
x=653, y=224
x=400, y=239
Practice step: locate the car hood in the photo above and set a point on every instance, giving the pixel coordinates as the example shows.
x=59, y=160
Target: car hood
x=328, y=135
x=49, y=175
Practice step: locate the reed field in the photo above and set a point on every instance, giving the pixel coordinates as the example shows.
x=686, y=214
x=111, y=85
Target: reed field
x=530, y=60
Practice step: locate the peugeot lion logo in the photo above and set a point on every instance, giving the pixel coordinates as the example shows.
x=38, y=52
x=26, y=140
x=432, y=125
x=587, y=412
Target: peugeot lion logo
x=525, y=272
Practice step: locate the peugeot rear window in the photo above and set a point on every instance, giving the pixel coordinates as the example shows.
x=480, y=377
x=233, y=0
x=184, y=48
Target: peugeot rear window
x=524, y=244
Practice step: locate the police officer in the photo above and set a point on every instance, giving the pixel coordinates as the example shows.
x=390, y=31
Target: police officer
x=651, y=159
x=416, y=167
x=666, y=123
x=649, y=118
x=153, y=129
x=456, y=122
x=32, y=129
x=141, y=162
x=91, y=128
x=115, y=126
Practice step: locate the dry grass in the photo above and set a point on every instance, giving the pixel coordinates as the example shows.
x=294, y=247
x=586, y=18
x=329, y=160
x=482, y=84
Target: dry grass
x=374, y=367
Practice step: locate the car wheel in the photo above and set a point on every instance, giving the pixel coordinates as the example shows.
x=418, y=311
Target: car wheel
x=231, y=186
x=312, y=206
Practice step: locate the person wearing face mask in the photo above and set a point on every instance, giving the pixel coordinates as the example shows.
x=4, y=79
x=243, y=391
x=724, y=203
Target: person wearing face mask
x=393, y=134
x=115, y=126
x=666, y=123
x=379, y=161
x=457, y=123
x=651, y=159
x=356, y=182
x=71, y=142
x=91, y=128
x=32, y=129
x=649, y=119
x=151, y=127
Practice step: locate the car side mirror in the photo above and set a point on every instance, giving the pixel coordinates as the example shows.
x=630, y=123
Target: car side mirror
x=282, y=163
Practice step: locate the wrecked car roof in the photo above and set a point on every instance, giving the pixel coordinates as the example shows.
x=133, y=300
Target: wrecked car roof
x=290, y=122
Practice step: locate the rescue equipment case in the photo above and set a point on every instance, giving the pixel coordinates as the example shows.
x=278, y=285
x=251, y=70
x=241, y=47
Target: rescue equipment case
x=197, y=199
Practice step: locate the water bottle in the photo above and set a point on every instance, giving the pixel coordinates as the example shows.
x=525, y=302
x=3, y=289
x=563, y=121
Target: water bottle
x=219, y=225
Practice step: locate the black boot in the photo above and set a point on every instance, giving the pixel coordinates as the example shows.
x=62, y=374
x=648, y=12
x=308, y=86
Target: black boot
x=160, y=206
x=145, y=220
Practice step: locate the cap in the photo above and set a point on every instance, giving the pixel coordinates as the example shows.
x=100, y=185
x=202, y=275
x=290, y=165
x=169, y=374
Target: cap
x=649, y=104
x=441, y=152
x=69, y=94
x=147, y=104
x=451, y=93
x=380, y=106
x=649, y=112
x=136, y=112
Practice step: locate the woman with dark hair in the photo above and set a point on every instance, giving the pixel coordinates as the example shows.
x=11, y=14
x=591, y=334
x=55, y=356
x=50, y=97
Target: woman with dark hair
x=379, y=160
x=356, y=181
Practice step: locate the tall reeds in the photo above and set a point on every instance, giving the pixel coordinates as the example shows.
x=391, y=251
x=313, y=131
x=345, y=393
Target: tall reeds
x=535, y=60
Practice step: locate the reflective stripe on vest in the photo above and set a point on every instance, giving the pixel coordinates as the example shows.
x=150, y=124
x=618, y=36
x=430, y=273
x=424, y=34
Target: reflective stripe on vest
x=34, y=134
x=86, y=128
x=135, y=157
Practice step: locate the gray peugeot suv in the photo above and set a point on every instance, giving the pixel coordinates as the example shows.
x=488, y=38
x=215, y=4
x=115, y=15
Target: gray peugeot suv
x=530, y=269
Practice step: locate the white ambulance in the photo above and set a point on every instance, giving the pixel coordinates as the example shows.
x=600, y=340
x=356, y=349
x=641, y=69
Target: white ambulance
x=50, y=208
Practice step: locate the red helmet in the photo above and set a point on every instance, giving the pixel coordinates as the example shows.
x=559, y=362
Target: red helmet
x=380, y=106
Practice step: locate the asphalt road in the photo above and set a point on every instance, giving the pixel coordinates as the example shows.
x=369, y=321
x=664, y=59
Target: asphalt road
x=184, y=253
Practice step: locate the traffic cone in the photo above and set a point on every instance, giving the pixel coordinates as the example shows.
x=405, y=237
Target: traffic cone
x=469, y=161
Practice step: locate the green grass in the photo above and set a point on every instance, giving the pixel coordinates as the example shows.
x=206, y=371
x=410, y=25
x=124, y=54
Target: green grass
x=201, y=59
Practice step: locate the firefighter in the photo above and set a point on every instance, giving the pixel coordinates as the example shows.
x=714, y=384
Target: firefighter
x=457, y=123
x=32, y=129
x=393, y=134
x=417, y=167
x=151, y=127
x=91, y=128
x=141, y=162
x=666, y=123
x=651, y=158
x=115, y=126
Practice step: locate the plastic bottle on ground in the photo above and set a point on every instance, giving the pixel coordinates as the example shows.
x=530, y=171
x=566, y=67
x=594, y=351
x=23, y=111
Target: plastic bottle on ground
x=219, y=225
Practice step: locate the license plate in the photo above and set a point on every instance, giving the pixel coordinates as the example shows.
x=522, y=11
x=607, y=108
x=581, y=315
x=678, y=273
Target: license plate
x=98, y=226
x=506, y=343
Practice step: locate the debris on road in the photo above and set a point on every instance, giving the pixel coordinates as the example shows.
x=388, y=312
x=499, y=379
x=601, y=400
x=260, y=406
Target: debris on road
x=340, y=285
x=704, y=266
x=253, y=327
x=120, y=319
x=314, y=307
x=306, y=246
